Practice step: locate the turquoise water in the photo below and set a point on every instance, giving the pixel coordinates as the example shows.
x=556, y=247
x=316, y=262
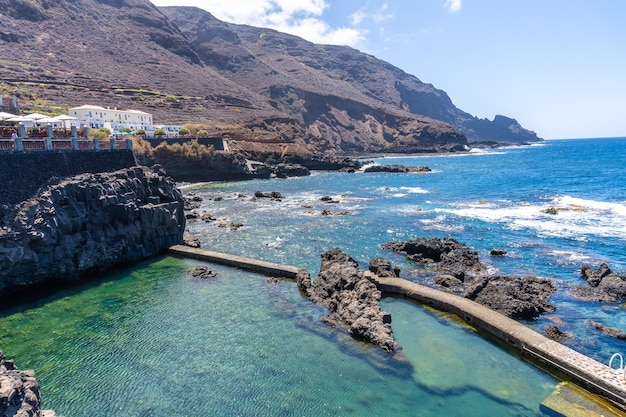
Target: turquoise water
x=152, y=341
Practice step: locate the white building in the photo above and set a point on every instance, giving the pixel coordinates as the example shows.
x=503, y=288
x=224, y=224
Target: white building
x=112, y=118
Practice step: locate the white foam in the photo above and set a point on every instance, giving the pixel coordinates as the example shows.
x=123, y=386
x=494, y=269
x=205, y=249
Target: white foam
x=575, y=218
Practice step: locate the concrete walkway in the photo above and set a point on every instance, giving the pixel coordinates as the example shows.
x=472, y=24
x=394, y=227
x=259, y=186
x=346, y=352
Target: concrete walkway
x=589, y=373
x=250, y=264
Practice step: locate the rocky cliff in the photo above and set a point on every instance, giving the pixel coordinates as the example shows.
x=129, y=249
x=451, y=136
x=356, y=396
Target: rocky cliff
x=250, y=84
x=84, y=224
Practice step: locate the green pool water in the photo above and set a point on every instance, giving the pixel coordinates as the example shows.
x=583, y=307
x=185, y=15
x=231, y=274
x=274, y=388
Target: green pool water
x=154, y=341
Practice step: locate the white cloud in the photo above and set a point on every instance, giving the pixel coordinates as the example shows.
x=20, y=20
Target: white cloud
x=302, y=18
x=453, y=6
x=358, y=17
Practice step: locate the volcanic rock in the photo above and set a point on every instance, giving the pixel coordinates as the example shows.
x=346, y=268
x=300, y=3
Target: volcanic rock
x=554, y=333
x=396, y=169
x=351, y=299
x=447, y=254
x=19, y=392
x=604, y=285
x=88, y=223
x=202, y=272
x=609, y=331
x=290, y=170
x=519, y=298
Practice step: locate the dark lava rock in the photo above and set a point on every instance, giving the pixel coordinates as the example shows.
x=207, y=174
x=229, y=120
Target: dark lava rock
x=383, y=268
x=498, y=252
x=519, y=298
x=329, y=199
x=395, y=169
x=19, y=392
x=448, y=254
x=272, y=195
x=290, y=170
x=202, y=272
x=609, y=331
x=334, y=213
x=351, y=299
x=554, y=333
x=207, y=218
x=604, y=285
x=448, y=281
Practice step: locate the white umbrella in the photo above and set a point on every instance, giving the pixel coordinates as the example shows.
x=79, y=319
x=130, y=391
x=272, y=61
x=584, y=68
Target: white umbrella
x=36, y=116
x=49, y=120
x=65, y=117
x=5, y=115
x=19, y=119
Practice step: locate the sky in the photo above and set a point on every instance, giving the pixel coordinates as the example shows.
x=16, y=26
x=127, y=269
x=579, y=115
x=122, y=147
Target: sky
x=556, y=66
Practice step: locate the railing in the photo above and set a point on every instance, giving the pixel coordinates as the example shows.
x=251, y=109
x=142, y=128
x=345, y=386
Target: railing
x=66, y=144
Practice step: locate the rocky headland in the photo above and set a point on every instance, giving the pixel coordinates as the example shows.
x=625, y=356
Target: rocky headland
x=80, y=226
x=351, y=299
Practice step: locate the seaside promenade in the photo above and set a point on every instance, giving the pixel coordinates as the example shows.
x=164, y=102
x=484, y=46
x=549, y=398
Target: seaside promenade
x=594, y=376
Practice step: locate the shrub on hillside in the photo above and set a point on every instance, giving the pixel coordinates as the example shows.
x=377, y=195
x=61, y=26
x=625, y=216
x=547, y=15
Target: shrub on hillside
x=189, y=150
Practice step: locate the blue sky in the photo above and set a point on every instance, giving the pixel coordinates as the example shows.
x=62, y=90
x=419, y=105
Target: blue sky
x=557, y=66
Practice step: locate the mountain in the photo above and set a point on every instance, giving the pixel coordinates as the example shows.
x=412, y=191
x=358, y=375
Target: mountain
x=257, y=87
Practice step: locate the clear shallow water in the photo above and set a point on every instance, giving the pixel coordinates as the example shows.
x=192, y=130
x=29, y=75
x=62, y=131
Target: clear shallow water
x=153, y=341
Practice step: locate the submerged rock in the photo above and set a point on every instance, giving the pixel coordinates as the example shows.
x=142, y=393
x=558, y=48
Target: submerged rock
x=352, y=300
x=609, y=331
x=202, y=272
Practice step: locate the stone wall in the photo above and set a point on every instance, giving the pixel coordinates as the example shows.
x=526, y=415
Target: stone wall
x=23, y=173
x=82, y=225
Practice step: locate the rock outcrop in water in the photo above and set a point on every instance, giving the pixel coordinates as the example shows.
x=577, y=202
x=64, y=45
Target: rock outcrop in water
x=450, y=257
x=86, y=224
x=19, y=392
x=459, y=270
x=604, y=285
x=351, y=299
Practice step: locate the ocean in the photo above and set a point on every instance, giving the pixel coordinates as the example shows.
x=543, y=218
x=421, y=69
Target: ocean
x=151, y=340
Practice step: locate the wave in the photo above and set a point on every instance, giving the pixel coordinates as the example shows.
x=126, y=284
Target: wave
x=402, y=191
x=563, y=216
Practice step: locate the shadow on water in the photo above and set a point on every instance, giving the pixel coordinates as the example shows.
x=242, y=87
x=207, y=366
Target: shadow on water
x=43, y=294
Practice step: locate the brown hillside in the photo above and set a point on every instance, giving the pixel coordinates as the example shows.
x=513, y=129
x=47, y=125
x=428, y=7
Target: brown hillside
x=251, y=84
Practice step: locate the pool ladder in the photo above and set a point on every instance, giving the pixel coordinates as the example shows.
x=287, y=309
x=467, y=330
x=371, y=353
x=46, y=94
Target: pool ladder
x=621, y=368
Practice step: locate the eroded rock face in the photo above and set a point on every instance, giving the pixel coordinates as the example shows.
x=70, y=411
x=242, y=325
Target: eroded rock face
x=88, y=223
x=19, y=392
x=351, y=299
x=604, y=285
